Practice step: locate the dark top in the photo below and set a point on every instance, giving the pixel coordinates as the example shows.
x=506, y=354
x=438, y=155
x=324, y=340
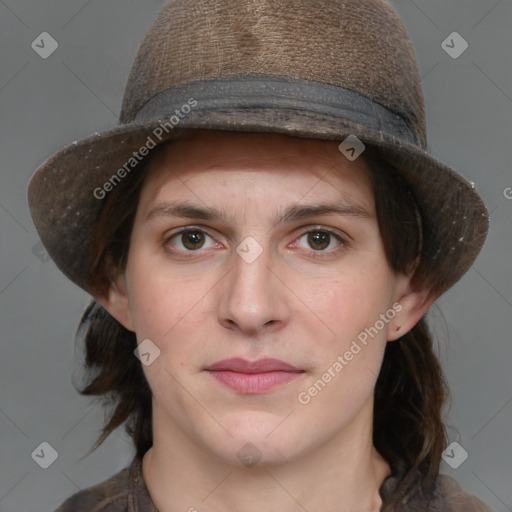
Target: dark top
x=127, y=492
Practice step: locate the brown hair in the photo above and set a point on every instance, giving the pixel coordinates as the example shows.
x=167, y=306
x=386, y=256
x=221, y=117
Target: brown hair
x=410, y=392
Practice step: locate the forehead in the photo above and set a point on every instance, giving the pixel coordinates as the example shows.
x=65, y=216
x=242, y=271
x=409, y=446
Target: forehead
x=209, y=165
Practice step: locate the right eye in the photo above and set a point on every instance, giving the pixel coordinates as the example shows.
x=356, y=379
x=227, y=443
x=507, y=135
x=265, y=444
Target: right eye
x=191, y=240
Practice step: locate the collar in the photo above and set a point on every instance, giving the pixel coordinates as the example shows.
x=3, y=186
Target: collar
x=139, y=499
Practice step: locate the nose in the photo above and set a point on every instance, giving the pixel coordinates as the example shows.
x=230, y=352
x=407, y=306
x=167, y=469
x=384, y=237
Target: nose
x=253, y=299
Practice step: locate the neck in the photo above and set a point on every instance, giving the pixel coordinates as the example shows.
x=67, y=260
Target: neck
x=344, y=474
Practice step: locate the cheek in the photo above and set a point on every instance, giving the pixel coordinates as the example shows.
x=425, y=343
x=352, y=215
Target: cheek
x=175, y=312
x=168, y=312
x=160, y=295
x=350, y=303
x=346, y=364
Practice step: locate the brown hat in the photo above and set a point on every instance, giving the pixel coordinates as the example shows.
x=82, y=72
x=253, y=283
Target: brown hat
x=306, y=68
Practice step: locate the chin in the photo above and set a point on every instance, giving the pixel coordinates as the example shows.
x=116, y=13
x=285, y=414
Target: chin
x=258, y=439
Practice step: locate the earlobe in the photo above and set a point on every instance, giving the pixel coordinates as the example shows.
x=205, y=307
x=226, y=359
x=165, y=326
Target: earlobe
x=414, y=304
x=116, y=302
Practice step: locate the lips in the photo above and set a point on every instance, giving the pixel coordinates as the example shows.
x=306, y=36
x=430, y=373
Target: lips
x=253, y=377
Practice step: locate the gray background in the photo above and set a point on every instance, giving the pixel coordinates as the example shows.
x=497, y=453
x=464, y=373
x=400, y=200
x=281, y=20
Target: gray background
x=47, y=103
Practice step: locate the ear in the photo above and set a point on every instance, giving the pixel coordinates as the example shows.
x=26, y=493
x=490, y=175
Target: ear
x=117, y=303
x=411, y=305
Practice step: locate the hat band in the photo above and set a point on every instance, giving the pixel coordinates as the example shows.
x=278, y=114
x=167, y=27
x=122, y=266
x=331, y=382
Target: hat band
x=276, y=92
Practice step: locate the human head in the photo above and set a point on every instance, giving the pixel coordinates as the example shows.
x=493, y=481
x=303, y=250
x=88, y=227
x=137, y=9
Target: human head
x=400, y=234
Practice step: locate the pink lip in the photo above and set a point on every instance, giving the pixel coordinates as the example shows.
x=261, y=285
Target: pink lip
x=253, y=377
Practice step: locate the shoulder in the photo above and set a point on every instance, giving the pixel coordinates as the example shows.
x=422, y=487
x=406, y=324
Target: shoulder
x=450, y=494
x=108, y=496
x=446, y=495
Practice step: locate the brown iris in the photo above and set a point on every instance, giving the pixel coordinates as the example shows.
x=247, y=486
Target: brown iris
x=319, y=240
x=192, y=239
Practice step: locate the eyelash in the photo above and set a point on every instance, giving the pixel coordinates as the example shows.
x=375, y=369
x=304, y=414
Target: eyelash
x=315, y=254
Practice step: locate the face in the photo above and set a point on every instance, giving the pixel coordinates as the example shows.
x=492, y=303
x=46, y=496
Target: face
x=257, y=270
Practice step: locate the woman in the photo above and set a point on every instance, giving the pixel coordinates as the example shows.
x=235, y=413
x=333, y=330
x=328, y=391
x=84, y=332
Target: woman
x=263, y=235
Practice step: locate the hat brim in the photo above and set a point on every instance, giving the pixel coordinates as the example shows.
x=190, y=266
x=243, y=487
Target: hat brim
x=65, y=203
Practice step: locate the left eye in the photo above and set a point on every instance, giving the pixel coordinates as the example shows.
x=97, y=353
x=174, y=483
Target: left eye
x=319, y=240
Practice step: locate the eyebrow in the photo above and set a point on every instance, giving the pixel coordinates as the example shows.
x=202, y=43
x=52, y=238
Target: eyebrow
x=293, y=213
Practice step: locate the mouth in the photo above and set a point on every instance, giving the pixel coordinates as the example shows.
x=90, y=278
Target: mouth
x=253, y=377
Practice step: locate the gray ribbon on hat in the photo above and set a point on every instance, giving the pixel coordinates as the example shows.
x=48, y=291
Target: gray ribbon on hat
x=273, y=92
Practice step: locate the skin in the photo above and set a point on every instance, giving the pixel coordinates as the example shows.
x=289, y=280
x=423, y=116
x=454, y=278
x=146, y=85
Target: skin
x=303, y=304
